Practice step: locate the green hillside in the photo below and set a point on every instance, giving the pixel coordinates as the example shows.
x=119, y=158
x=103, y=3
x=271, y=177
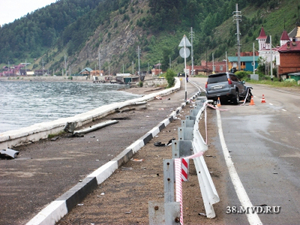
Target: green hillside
x=79, y=29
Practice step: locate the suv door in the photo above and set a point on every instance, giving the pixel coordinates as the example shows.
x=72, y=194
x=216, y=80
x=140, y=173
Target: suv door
x=236, y=81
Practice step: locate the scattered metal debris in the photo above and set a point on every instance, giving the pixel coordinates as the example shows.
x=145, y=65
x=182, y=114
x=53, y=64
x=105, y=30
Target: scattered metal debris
x=159, y=144
x=70, y=127
x=55, y=138
x=95, y=127
x=10, y=153
x=134, y=106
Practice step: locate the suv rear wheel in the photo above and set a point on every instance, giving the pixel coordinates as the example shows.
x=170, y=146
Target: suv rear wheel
x=236, y=100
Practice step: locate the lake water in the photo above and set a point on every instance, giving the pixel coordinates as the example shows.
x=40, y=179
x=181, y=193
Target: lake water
x=25, y=103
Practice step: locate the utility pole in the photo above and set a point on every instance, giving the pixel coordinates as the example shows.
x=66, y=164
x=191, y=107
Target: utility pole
x=132, y=68
x=139, y=51
x=65, y=64
x=253, y=58
x=25, y=65
x=226, y=61
x=271, y=58
x=99, y=64
x=238, y=17
x=43, y=65
x=213, y=61
x=148, y=68
x=192, y=51
x=159, y=64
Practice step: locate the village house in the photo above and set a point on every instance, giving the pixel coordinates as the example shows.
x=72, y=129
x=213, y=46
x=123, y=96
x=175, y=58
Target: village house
x=285, y=57
x=207, y=67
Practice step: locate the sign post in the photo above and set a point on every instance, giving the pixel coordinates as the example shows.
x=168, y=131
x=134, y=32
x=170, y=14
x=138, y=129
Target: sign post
x=184, y=53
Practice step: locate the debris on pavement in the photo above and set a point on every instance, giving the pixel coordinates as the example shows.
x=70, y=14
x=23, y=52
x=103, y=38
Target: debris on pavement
x=55, y=138
x=159, y=144
x=10, y=153
x=137, y=160
x=70, y=127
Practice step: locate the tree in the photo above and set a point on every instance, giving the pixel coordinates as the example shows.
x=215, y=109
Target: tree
x=170, y=74
x=167, y=52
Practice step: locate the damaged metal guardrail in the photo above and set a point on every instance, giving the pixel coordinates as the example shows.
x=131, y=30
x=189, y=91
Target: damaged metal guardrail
x=190, y=144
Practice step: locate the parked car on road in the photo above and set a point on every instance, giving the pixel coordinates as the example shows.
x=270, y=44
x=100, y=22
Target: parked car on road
x=227, y=87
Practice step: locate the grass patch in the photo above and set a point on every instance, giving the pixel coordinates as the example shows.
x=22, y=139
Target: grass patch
x=57, y=134
x=276, y=83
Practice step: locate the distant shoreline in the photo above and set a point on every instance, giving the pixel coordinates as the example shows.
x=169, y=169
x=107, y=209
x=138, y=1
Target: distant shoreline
x=133, y=90
x=46, y=78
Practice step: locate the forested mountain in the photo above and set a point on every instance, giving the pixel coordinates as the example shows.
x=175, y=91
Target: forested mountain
x=30, y=36
x=79, y=29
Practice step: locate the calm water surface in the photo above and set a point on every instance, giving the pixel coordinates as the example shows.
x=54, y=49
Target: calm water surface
x=25, y=103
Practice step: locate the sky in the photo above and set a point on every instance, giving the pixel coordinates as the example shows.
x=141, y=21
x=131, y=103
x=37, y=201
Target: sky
x=15, y=9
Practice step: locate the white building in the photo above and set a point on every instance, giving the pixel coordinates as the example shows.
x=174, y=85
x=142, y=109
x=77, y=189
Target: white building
x=265, y=51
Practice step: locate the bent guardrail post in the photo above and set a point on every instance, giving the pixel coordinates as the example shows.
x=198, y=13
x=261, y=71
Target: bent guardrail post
x=208, y=190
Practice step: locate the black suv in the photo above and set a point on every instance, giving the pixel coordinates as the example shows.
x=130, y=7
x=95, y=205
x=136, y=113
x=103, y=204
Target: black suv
x=227, y=87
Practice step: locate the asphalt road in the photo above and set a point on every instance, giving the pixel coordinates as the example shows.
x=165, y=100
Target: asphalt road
x=263, y=142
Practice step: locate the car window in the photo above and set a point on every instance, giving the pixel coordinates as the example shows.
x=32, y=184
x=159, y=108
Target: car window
x=233, y=78
x=217, y=78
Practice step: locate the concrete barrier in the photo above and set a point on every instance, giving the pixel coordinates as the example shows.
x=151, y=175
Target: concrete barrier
x=40, y=131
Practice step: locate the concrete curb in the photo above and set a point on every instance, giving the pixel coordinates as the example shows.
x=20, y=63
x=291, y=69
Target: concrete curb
x=66, y=202
x=40, y=131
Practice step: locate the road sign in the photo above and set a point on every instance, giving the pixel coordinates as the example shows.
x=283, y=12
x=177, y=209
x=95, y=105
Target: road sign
x=184, y=54
x=185, y=42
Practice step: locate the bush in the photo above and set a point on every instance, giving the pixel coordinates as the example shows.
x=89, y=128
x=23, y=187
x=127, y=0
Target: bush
x=170, y=74
x=242, y=75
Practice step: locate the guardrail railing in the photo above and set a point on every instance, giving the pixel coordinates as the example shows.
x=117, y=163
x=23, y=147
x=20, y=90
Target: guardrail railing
x=190, y=145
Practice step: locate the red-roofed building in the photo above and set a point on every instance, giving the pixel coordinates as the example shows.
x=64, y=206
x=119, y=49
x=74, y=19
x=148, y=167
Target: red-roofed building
x=262, y=39
x=284, y=38
x=208, y=67
x=289, y=57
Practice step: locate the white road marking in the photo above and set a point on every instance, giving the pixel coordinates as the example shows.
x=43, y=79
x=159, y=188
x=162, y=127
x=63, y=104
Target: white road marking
x=270, y=103
x=253, y=219
x=284, y=110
